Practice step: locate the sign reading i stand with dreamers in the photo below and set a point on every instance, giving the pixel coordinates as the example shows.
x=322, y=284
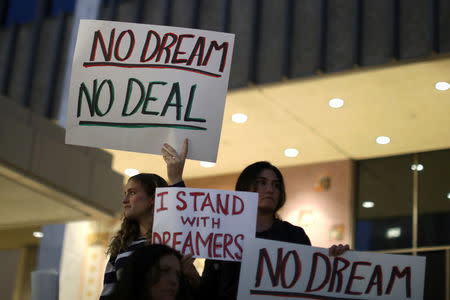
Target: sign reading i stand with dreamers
x=135, y=86
x=278, y=270
x=207, y=223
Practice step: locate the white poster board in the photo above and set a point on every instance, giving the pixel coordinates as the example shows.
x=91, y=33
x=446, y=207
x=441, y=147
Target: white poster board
x=204, y=222
x=135, y=87
x=278, y=270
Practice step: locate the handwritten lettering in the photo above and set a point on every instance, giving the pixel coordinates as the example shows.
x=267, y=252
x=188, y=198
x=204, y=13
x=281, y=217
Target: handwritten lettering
x=218, y=245
x=212, y=203
x=163, y=49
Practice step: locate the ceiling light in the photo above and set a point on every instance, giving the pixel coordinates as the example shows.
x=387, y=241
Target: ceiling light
x=442, y=86
x=393, y=232
x=38, y=234
x=291, y=152
x=383, y=140
x=131, y=172
x=239, y=118
x=207, y=164
x=336, y=103
x=417, y=167
x=368, y=204
x=448, y=196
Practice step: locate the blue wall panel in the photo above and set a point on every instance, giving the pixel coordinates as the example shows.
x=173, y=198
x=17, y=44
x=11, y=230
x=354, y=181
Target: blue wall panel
x=271, y=41
x=415, y=28
x=377, y=32
x=182, y=13
x=21, y=11
x=340, y=35
x=241, y=24
x=306, y=40
x=211, y=15
x=443, y=25
x=155, y=12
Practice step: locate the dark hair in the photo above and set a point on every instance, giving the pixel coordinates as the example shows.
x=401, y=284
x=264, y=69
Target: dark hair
x=137, y=273
x=149, y=181
x=247, y=180
x=129, y=229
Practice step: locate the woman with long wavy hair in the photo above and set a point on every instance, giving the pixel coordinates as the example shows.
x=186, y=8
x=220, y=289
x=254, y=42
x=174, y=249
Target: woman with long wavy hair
x=137, y=219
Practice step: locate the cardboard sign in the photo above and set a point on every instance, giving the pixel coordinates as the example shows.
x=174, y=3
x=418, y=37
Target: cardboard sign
x=136, y=86
x=203, y=222
x=278, y=270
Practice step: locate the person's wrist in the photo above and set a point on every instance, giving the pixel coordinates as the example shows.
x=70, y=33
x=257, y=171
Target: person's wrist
x=175, y=180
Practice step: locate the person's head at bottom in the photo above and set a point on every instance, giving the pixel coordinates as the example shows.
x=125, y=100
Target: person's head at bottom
x=153, y=272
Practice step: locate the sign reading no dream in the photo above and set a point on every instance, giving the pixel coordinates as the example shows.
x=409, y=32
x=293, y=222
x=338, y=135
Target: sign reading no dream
x=136, y=86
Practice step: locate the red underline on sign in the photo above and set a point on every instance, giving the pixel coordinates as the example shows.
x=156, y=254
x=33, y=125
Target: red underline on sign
x=297, y=295
x=122, y=65
x=139, y=125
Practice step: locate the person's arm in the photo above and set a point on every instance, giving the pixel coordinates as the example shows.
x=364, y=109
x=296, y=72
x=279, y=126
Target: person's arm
x=209, y=284
x=175, y=163
x=189, y=271
x=109, y=280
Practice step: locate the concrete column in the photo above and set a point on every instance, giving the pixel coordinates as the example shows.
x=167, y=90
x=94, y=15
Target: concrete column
x=84, y=9
x=50, y=248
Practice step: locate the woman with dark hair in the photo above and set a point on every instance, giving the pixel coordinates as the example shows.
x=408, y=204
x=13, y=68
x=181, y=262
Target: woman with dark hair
x=265, y=179
x=220, y=278
x=137, y=220
x=153, y=272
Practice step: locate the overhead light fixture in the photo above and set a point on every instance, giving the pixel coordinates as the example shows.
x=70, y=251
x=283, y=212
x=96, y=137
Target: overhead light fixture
x=38, y=234
x=336, y=103
x=368, y=204
x=383, y=140
x=442, y=86
x=239, y=118
x=393, y=233
x=291, y=152
x=417, y=167
x=448, y=196
x=131, y=172
x=207, y=164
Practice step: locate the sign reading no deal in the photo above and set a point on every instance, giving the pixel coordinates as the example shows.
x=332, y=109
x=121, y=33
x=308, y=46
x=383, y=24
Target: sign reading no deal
x=135, y=86
x=206, y=223
x=278, y=270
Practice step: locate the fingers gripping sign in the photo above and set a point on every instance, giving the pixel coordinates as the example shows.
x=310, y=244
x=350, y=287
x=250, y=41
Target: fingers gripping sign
x=337, y=250
x=175, y=161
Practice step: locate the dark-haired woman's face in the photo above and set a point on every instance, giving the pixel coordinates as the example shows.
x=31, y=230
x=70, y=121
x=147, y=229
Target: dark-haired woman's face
x=136, y=202
x=169, y=272
x=268, y=188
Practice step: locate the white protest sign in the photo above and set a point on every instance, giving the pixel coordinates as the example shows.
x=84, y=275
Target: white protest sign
x=278, y=270
x=203, y=222
x=136, y=86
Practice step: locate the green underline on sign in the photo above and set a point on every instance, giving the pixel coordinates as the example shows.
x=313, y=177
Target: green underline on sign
x=139, y=125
